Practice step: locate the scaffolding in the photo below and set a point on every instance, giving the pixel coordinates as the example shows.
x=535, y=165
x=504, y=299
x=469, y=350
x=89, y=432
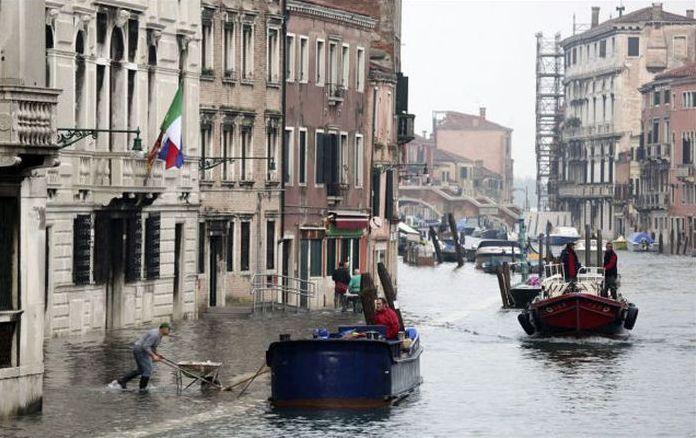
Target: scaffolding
x=549, y=115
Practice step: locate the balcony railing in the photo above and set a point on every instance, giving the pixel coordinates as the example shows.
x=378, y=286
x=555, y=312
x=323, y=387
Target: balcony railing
x=653, y=201
x=27, y=119
x=573, y=190
x=336, y=92
x=405, y=131
x=685, y=172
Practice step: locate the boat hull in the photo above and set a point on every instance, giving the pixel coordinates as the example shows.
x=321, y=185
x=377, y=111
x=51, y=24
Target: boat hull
x=578, y=314
x=523, y=294
x=337, y=373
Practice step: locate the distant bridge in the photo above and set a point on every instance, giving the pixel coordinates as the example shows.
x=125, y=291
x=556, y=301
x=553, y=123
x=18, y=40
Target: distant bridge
x=441, y=202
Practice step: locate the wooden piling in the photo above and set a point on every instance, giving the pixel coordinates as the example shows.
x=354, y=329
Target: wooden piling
x=671, y=241
x=600, y=259
x=686, y=243
x=368, y=295
x=548, y=242
x=389, y=292
x=506, y=278
x=678, y=242
x=660, y=243
x=541, y=255
x=504, y=297
x=588, y=245
x=436, y=244
x=455, y=238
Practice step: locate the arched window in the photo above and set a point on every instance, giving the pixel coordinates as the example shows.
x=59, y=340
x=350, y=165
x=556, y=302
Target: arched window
x=117, y=90
x=79, y=78
x=49, y=45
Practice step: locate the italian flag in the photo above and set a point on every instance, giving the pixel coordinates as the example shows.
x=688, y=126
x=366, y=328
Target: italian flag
x=168, y=146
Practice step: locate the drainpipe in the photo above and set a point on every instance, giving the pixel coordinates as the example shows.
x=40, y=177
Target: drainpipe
x=284, y=145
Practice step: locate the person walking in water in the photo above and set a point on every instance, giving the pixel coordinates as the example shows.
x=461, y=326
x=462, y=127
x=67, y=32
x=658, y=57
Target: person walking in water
x=571, y=264
x=610, y=270
x=145, y=352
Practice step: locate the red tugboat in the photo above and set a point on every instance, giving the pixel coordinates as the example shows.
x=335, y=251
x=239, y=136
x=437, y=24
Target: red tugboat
x=577, y=309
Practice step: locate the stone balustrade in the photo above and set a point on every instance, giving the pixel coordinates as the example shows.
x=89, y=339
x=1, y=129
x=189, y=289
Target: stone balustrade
x=27, y=119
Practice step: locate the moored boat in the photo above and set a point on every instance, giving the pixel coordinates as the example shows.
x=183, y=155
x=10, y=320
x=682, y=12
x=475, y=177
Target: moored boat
x=491, y=253
x=355, y=367
x=577, y=309
x=641, y=242
x=560, y=236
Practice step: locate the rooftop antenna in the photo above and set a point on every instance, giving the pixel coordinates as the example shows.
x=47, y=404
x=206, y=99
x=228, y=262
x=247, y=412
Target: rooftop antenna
x=620, y=8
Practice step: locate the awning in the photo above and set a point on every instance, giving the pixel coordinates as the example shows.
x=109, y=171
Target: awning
x=333, y=231
x=403, y=228
x=349, y=220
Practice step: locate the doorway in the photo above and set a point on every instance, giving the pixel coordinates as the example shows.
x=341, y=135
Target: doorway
x=115, y=279
x=304, y=271
x=178, y=263
x=215, y=255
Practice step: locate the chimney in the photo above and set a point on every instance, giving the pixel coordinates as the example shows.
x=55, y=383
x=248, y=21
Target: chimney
x=595, y=16
x=690, y=13
x=656, y=11
x=482, y=112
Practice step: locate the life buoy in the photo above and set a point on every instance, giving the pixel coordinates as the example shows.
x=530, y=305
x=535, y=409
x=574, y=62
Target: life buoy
x=526, y=324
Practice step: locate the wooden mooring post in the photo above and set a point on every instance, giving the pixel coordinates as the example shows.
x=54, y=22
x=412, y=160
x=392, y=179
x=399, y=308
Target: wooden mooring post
x=600, y=259
x=368, y=295
x=588, y=245
x=436, y=244
x=389, y=292
x=671, y=241
x=504, y=296
x=660, y=243
x=455, y=238
x=541, y=255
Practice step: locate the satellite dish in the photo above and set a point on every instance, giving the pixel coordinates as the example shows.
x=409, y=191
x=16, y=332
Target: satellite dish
x=376, y=222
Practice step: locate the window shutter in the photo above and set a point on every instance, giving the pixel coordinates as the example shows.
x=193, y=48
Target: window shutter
x=134, y=251
x=152, y=246
x=82, y=243
x=102, y=256
x=375, y=191
x=389, y=196
x=319, y=159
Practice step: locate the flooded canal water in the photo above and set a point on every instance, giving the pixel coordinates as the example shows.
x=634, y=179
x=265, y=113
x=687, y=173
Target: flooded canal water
x=482, y=375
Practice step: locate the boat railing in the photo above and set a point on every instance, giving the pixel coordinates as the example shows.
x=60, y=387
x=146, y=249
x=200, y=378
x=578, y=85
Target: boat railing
x=271, y=291
x=591, y=279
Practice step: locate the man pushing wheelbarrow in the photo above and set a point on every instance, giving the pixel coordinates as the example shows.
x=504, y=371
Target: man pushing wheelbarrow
x=145, y=352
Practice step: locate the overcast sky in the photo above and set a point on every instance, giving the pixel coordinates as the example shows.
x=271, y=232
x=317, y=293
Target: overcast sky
x=460, y=55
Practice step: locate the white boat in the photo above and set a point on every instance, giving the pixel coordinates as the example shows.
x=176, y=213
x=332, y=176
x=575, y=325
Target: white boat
x=580, y=250
x=491, y=253
x=560, y=236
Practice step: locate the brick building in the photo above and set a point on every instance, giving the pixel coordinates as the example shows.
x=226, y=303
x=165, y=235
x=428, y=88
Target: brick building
x=326, y=169
x=665, y=194
x=240, y=145
x=477, y=138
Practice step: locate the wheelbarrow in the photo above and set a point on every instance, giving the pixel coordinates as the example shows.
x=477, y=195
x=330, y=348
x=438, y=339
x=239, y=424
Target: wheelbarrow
x=207, y=373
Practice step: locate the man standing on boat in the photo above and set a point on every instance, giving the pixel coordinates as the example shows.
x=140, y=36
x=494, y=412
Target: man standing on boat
x=385, y=316
x=571, y=264
x=145, y=352
x=610, y=270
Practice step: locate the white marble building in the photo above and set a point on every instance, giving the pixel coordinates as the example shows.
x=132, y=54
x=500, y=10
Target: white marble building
x=121, y=245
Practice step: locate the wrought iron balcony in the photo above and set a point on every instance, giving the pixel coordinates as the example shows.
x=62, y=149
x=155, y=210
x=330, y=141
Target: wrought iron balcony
x=336, y=92
x=653, y=201
x=685, y=172
x=405, y=131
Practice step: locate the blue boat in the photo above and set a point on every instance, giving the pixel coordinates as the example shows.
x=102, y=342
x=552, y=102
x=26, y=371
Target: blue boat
x=353, y=368
x=641, y=242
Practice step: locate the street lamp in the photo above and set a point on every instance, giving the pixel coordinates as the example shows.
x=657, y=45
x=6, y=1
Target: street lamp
x=400, y=166
x=209, y=163
x=69, y=136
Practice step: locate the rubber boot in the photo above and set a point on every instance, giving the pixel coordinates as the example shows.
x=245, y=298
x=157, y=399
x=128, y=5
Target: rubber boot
x=123, y=381
x=143, y=384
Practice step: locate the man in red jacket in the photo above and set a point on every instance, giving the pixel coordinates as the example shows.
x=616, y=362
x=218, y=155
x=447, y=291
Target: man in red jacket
x=386, y=317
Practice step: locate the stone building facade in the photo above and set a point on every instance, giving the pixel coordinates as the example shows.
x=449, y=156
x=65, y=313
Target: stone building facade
x=477, y=138
x=121, y=242
x=666, y=197
x=604, y=68
x=327, y=167
x=27, y=147
x=240, y=147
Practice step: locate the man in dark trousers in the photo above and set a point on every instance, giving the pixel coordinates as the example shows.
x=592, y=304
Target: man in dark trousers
x=571, y=264
x=145, y=352
x=387, y=317
x=341, y=278
x=610, y=270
